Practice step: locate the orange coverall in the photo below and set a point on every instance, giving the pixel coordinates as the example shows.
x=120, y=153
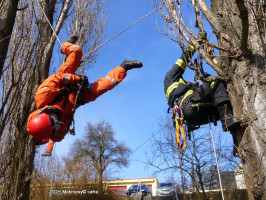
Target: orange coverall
x=65, y=77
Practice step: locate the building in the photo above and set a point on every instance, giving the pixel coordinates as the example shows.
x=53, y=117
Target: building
x=119, y=186
x=211, y=180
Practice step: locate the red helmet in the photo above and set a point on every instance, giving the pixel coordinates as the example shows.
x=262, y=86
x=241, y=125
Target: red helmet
x=41, y=126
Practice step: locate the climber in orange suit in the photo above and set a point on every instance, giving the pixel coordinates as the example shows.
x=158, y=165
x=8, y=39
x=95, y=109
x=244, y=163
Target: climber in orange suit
x=55, y=97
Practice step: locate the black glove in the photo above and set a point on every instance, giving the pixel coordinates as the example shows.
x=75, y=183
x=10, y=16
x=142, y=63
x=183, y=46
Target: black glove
x=72, y=39
x=202, y=36
x=47, y=154
x=84, y=79
x=130, y=64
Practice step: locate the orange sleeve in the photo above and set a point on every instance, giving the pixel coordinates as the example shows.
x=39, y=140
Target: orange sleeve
x=74, y=54
x=50, y=146
x=66, y=79
x=102, y=85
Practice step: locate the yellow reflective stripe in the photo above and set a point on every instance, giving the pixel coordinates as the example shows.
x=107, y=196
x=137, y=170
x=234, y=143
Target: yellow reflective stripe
x=191, y=48
x=213, y=84
x=186, y=95
x=172, y=87
x=181, y=63
x=182, y=81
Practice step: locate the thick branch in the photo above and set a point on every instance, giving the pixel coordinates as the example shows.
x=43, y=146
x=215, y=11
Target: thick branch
x=210, y=16
x=199, y=23
x=50, y=45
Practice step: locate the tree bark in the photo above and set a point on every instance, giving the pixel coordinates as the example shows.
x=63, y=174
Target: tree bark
x=247, y=90
x=18, y=175
x=8, y=15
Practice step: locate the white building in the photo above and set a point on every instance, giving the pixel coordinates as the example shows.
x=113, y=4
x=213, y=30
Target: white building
x=119, y=186
x=239, y=177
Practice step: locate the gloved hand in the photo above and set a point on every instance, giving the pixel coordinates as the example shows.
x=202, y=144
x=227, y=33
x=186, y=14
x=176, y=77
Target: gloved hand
x=72, y=39
x=202, y=36
x=206, y=75
x=130, y=64
x=84, y=79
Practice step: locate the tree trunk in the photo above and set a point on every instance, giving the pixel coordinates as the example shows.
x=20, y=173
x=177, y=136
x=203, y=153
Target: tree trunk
x=250, y=105
x=18, y=176
x=247, y=89
x=8, y=15
x=100, y=179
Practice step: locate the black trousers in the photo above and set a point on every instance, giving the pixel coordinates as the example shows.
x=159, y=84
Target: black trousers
x=204, y=94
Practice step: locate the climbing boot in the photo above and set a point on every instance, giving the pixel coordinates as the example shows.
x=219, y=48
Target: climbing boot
x=225, y=111
x=47, y=154
x=72, y=39
x=130, y=64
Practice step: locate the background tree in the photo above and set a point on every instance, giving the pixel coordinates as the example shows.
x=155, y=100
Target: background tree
x=190, y=165
x=8, y=10
x=26, y=65
x=239, y=40
x=70, y=173
x=101, y=149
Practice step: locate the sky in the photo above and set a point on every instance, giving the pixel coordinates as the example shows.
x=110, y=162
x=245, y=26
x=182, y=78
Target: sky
x=134, y=107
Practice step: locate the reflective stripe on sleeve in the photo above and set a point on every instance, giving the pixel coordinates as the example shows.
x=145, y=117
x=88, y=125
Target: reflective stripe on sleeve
x=191, y=48
x=67, y=79
x=51, y=142
x=213, y=84
x=113, y=80
x=172, y=87
x=189, y=92
x=73, y=47
x=181, y=63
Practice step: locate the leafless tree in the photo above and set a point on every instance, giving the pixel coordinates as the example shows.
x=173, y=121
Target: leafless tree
x=27, y=64
x=101, y=149
x=54, y=173
x=238, y=39
x=8, y=10
x=190, y=165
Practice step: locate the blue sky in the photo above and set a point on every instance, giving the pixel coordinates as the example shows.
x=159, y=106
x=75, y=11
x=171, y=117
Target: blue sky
x=134, y=107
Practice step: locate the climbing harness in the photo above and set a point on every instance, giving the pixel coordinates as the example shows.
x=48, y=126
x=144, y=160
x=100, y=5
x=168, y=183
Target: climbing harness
x=72, y=131
x=49, y=23
x=64, y=94
x=180, y=135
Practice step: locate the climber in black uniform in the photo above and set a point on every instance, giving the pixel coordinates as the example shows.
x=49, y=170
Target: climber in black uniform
x=184, y=95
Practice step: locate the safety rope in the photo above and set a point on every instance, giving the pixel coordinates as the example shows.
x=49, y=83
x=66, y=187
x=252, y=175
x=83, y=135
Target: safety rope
x=122, y=31
x=49, y=23
x=217, y=164
x=72, y=131
x=105, y=41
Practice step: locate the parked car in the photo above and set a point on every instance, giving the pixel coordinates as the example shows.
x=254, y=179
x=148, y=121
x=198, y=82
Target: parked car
x=146, y=191
x=166, y=189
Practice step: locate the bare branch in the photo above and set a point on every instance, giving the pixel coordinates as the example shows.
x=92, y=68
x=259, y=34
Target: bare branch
x=199, y=23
